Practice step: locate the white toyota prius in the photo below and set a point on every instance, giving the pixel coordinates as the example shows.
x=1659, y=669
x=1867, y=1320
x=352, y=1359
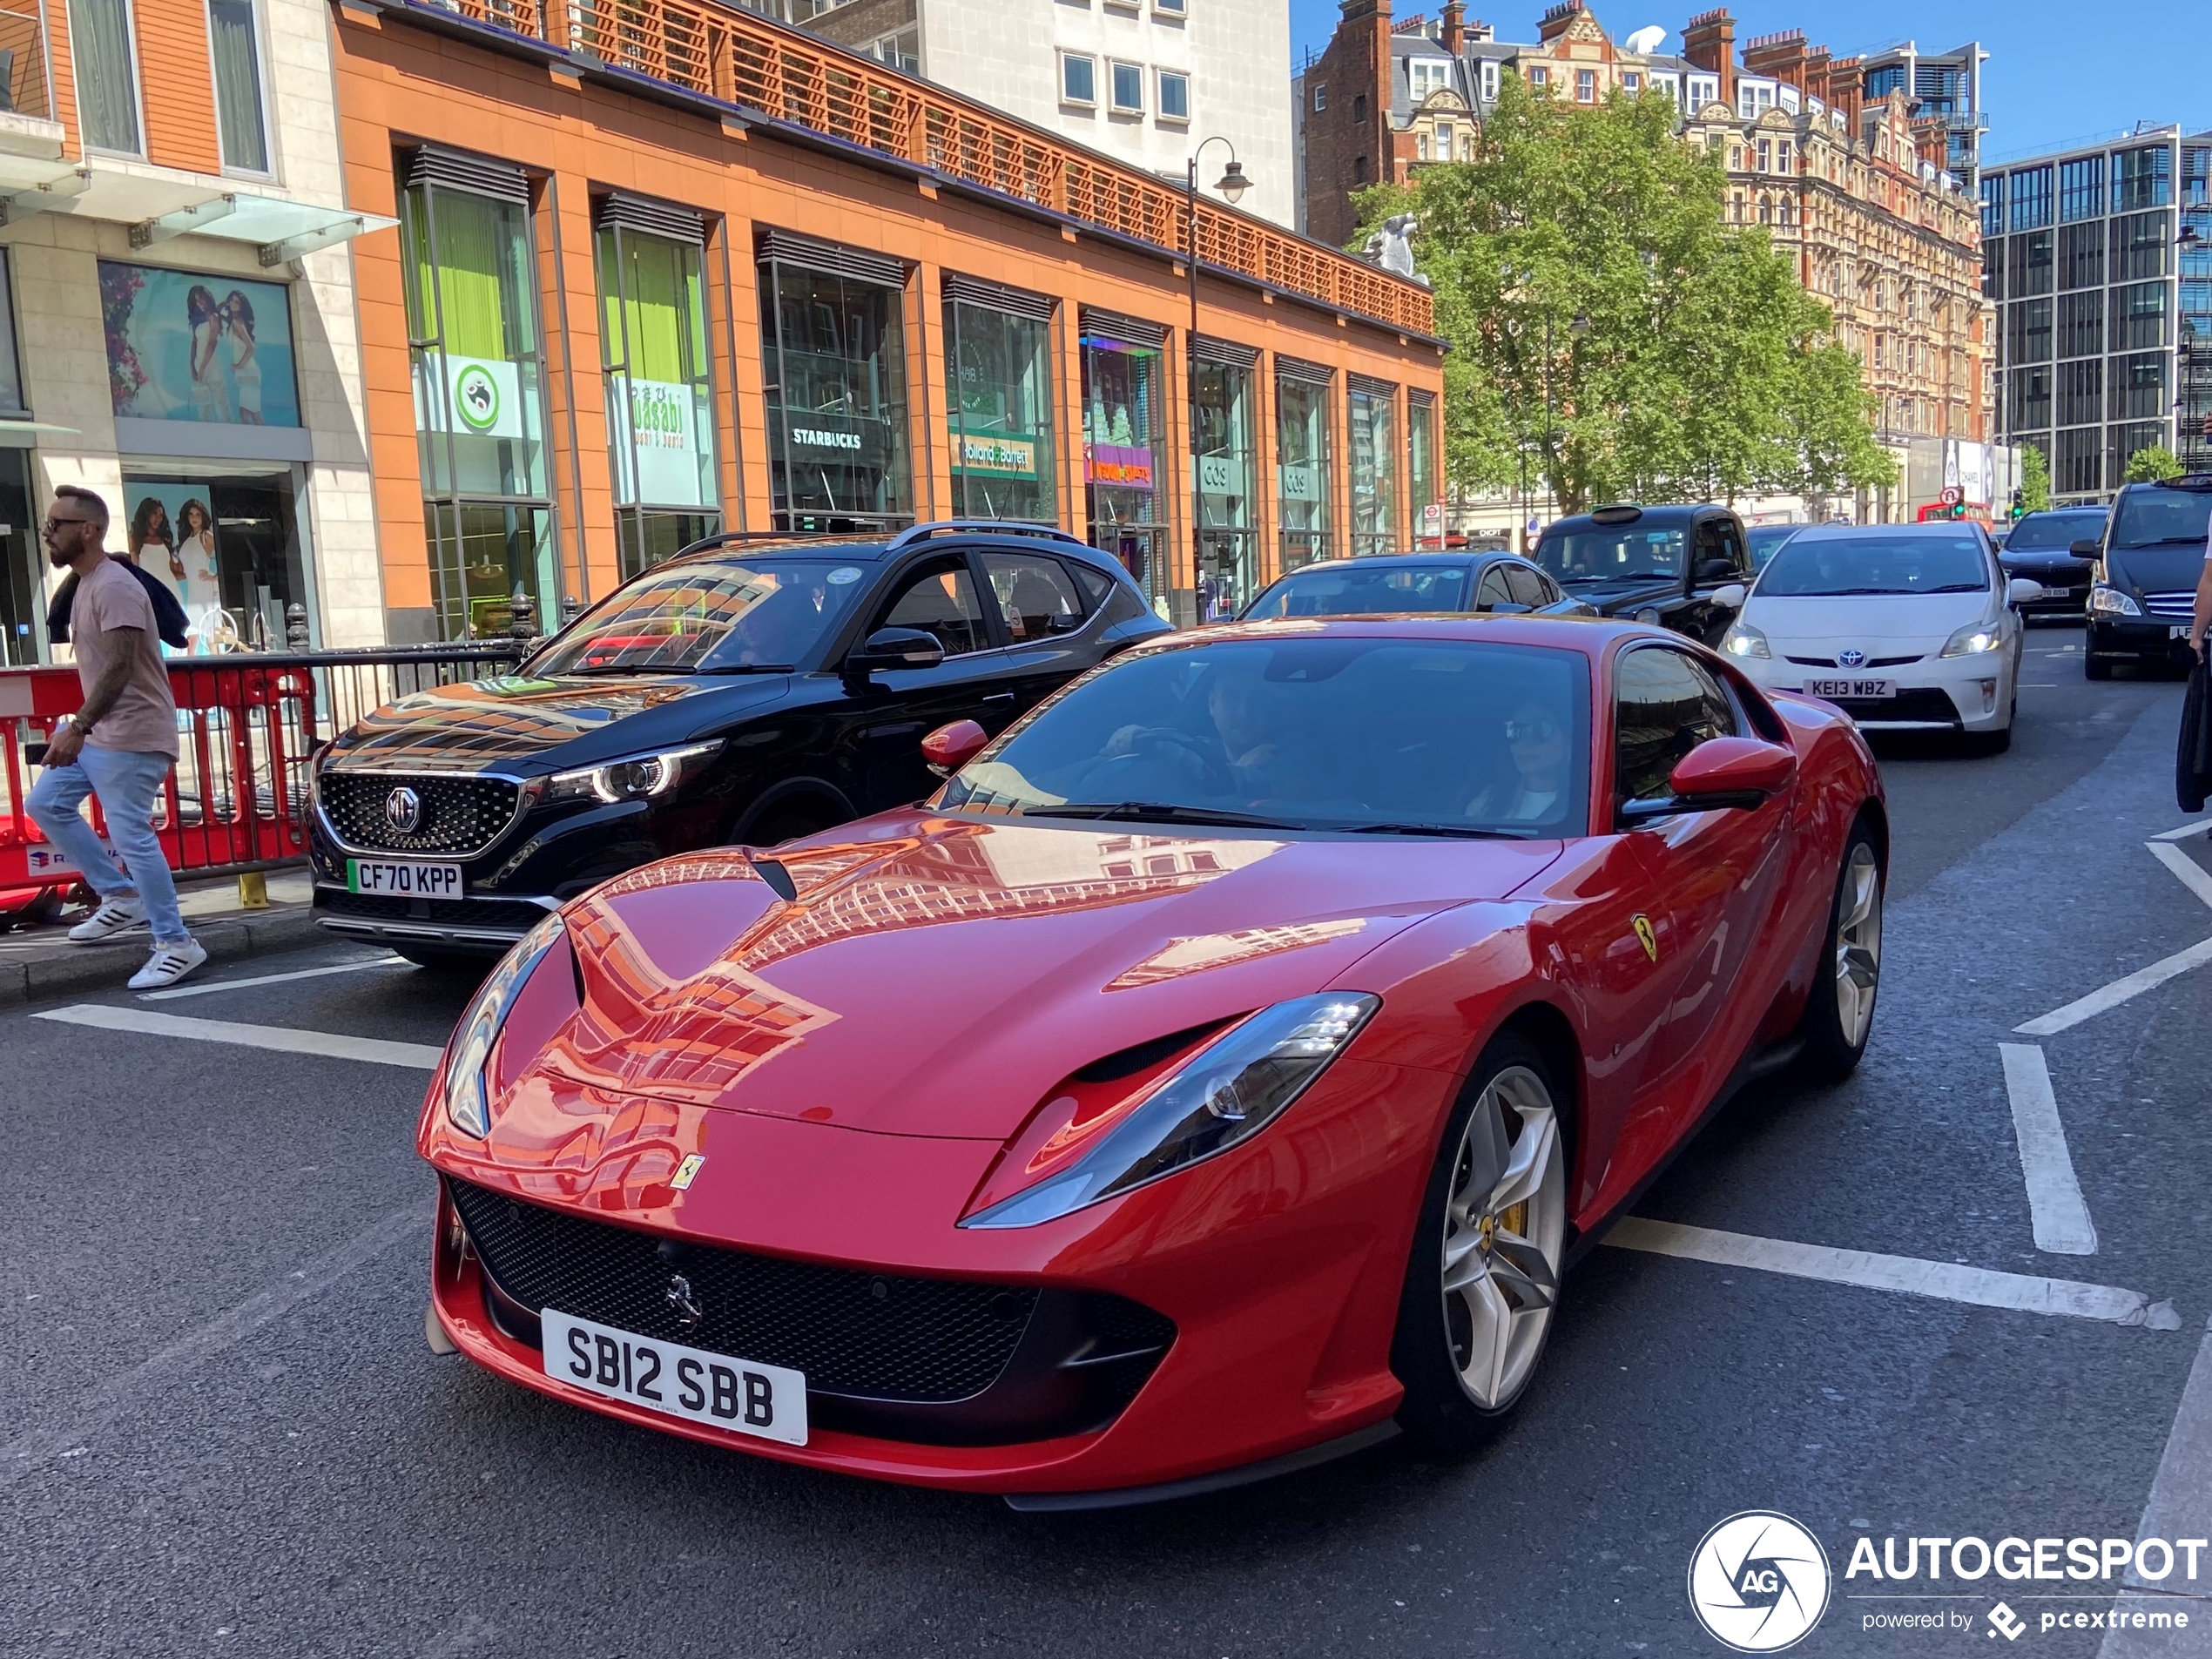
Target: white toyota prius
x=1904, y=627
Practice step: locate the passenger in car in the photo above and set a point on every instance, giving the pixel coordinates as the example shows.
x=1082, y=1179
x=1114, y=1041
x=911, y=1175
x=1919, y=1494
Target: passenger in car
x=1537, y=789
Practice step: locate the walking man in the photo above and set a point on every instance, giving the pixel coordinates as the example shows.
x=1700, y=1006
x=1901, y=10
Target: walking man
x=119, y=746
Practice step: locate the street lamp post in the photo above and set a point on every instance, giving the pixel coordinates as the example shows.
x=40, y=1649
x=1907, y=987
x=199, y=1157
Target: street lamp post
x=1232, y=184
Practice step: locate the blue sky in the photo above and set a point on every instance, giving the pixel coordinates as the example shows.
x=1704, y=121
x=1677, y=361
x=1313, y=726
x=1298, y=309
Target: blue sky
x=2057, y=73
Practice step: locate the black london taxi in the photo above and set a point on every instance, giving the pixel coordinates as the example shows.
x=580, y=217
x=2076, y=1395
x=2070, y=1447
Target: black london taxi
x=1683, y=568
x=735, y=695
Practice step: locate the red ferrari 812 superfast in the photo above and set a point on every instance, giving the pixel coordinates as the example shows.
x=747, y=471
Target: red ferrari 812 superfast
x=1218, y=1073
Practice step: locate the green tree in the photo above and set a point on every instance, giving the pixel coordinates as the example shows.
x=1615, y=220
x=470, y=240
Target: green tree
x=2035, y=480
x=2152, y=464
x=1608, y=332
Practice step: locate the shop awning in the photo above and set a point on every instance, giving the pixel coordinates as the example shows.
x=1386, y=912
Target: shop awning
x=159, y=204
x=282, y=230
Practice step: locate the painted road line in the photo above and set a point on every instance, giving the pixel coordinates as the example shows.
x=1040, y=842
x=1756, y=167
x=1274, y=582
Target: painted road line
x=377, y=1051
x=2181, y=1497
x=2184, y=832
x=2194, y=876
x=2020, y=1292
x=151, y=1383
x=2111, y=995
x=2054, y=1202
x=271, y=979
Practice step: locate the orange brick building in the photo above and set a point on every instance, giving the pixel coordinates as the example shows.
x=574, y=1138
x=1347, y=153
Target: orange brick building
x=691, y=271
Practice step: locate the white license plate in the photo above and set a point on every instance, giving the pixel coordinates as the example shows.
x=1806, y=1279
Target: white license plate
x=2181, y=632
x=403, y=881
x=1850, y=688
x=740, y=1395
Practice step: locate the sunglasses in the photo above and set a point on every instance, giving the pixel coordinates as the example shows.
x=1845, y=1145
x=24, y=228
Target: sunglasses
x=1541, y=730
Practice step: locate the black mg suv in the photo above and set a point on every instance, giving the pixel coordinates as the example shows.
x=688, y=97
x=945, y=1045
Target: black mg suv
x=1683, y=568
x=737, y=694
x=2149, y=560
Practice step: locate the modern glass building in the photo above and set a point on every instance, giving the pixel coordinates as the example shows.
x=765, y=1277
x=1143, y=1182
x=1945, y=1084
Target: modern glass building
x=2098, y=261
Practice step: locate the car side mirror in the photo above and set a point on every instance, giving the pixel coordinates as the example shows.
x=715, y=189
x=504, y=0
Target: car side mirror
x=1720, y=772
x=1730, y=597
x=894, y=648
x=2085, y=550
x=1715, y=570
x=1062, y=622
x=2019, y=592
x=950, y=747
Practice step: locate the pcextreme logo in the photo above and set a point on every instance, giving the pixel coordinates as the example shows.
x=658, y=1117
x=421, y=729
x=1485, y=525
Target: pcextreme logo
x=1759, y=1582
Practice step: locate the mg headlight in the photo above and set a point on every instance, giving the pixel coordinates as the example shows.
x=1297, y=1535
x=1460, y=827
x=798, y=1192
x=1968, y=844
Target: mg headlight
x=468, y=1100
x=1221, y=1096
x=633, y=778
x=1743, y=640
x=1974, y=640
x=2112, y=602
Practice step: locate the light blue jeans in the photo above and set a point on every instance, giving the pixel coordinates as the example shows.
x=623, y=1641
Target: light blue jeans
x=128, y=785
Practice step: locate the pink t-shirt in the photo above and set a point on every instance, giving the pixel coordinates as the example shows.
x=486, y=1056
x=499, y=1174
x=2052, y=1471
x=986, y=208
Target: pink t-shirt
x=112, y=615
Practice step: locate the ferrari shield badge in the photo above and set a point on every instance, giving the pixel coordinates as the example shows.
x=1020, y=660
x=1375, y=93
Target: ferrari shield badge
x=1645, y=937
x=687, y=1171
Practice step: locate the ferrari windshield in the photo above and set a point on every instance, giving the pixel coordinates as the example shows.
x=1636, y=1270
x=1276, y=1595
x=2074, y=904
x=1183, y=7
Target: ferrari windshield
x=1816, y=565
x=1612, y=552
x=1351, y=591
x=712, y=616
x=1381, y=736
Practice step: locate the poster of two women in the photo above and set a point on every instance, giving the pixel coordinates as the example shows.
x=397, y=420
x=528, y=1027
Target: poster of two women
x=193, y=346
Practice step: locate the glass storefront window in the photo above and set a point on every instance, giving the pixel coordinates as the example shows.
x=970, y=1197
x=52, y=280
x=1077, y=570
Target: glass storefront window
x=834, y=353
x=226, y=541
x=1420, y=465
x=1001, y=414
x=479, y=407
x=22, y=614
x=1375, y=484
x=1124, y=464
x=660, y=393
x=1302, y=469
x=1221, y=457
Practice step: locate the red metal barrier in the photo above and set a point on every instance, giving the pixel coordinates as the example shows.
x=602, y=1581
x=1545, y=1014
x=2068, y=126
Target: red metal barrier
x=236, y=800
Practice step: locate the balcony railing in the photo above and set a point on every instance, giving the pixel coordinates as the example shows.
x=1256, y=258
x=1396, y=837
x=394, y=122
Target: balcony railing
x=738, y=57
x=23, y=60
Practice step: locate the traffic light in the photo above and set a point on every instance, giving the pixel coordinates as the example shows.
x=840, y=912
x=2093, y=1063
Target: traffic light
x=2019, y=509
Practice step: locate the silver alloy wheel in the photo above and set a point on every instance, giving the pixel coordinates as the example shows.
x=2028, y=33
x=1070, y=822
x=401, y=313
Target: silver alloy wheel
x=1858, y=943
x=1505, y=1226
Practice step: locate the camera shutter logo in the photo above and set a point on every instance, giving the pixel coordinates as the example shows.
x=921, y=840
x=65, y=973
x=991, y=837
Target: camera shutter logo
x=1759, y=1582
x=403, y=810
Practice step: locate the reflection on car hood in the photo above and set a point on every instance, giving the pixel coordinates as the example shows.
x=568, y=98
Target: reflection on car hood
x=1610, y=598
x=935, y=976
x=1885, y=624
x=468, y=727
x=2173, y=568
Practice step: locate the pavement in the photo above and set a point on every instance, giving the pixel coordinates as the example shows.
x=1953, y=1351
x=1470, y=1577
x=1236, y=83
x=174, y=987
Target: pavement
x=222, y=1431
x=42, y=961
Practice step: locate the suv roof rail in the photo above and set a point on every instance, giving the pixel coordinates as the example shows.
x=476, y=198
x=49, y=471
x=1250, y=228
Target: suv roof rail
x=2188, y=481
x=917, y=533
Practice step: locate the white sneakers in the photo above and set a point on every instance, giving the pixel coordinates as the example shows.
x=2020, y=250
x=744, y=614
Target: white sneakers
x=168, y=964
x=114, y=916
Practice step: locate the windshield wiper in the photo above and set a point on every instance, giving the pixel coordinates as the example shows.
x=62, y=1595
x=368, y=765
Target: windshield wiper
x=627, y=668
x=748, y=668
x=1162, y=812
x=2160, y=540
x=1957, y=587
x=1462, y=832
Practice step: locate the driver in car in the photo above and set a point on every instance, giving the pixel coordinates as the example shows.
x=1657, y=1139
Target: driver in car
x=1261, y=761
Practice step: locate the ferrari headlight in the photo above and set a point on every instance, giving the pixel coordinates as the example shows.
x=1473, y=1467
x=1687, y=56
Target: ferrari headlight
x=1743, y=640
x=1974, y=638
x=467, y=1101
x=1224, y=1095
x=634, y=778
x=2111, y=601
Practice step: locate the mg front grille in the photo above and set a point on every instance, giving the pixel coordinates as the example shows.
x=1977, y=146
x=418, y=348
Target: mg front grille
x=516, y=916
x=878, y=1336
x=457, y=815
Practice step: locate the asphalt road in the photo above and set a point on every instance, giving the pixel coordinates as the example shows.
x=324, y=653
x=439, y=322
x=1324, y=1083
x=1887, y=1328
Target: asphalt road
x=221, y=1431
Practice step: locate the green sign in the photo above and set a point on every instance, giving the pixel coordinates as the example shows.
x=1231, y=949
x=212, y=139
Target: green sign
x=995, y=455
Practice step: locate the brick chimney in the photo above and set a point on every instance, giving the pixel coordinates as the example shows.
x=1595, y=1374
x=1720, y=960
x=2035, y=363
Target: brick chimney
x=1846, y=89
x=1556, y=19
x=1817, y=73
x=1454, y=38
x=1709, y=41
x=1782, y=56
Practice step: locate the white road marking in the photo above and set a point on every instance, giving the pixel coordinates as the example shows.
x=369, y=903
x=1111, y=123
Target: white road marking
x=271, y=979
x=2054, y=1202
x=2180, y=1496
x=2192, y=875
x=377, y=1051
x=147, y=1385
x=2184, y=832
x=2111, y=995
x=2020, y=1292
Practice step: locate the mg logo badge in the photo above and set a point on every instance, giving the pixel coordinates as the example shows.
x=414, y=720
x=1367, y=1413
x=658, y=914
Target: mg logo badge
x=1851, y=659
x=403, y=810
